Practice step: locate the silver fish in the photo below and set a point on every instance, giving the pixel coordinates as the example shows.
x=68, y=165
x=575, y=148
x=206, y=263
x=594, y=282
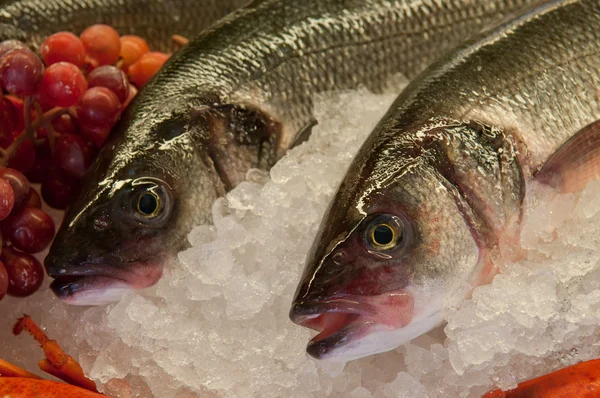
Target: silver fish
x=235, y=98
x=434, y=199
x=155, y=20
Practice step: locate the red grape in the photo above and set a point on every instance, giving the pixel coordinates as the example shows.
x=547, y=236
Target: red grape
x=59, y=189
x=63, y=47
x=146, y=67
x=7, y=198
x=8, y=45
x=132, y=49
x=20, y=108
x=62, y=85
x=73, y=155
x=33, y=199
x=24, y=159
x=102, y=44
x=98, y=107
x=25, y=273
x=30, y=230
x=43, y=160
x=18, y=182
x=65, y=124
x=21, y=72
x=112, y=78
x=8, y=116
x=3, y=281
x=96, y=135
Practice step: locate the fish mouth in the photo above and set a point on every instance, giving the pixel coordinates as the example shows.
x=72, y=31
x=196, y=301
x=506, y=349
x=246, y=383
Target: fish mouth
x=344, y=322
x=337, y=321
x=100, y=284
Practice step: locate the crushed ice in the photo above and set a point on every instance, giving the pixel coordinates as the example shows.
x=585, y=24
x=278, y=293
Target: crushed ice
x=217, y=324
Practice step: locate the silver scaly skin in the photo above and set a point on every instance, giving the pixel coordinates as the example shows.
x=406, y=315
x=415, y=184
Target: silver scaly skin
x=155, y=20
x=234, y=99
x=433, y=200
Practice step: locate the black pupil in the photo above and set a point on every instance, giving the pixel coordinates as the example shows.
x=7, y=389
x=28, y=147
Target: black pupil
x=383, y=235
x=148, y=204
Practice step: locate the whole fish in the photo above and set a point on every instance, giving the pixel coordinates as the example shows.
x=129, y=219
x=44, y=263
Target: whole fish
x=434, y=198
x=234, y=99
x=155, y=20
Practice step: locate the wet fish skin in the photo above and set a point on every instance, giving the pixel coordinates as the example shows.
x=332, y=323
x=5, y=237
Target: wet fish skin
x=155, y=20
x=234, y=99
x=453, y=158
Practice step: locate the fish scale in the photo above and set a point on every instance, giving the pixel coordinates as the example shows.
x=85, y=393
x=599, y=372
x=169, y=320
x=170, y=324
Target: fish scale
x=234, y=99
x=154, y=20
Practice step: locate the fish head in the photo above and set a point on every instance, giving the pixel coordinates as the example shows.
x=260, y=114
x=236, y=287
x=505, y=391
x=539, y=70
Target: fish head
x=138, y=202
x=393, y=251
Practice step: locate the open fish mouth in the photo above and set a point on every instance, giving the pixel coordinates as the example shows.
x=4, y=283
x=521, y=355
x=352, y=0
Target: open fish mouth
x=345, y=322
x=337, y=321
x=102, y=284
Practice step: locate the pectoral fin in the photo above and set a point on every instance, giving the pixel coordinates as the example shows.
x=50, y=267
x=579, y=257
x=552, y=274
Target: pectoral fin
x=304, y=134
x=575, y=163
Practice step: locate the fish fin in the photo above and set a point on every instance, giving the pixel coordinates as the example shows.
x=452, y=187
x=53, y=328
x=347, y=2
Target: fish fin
x=240, y=138
x=575, y=163
x=304, y=133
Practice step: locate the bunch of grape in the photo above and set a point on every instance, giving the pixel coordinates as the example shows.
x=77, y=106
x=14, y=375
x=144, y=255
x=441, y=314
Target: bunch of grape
x=27, y=228
x=59, y=109
x=56, y=110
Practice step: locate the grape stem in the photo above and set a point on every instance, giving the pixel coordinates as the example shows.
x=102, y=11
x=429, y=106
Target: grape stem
x=47, y=125
x=30, y=128
x=180, y=41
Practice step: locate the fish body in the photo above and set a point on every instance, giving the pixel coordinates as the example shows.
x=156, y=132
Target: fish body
x=155, y=20
x=234, y=99
x=434, y=198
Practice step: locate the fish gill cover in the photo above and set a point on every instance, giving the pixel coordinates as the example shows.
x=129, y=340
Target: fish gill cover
x=218, y=324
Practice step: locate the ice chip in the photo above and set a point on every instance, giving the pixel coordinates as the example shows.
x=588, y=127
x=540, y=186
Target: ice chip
x=201, y=235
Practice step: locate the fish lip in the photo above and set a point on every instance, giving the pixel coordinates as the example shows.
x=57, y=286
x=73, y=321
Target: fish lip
x=321, y=348
x=68, y=283
x=308, y=308
x=67, y=286
x=90, y=269
x=358, y=316
x=73, y=280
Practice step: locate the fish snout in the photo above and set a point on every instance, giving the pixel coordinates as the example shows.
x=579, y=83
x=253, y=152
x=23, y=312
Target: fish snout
x=56, y=266
x=324, y=278
x=69, y=260
x=302, y=312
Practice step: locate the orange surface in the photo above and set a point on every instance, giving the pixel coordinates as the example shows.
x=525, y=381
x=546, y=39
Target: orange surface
x=577, y=381
x=19, y=387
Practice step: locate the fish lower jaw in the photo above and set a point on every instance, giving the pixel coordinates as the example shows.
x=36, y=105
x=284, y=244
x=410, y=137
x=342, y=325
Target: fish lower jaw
x=90, y=291
x=399, y=318
x=102, y=289
x=380, y=338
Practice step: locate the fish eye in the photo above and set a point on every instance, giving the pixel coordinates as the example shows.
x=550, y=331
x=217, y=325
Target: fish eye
x=148, y=204
x=385, y=232
x=382, y=235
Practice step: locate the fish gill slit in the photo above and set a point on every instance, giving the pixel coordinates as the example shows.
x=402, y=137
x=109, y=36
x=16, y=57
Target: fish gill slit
x=473, y=218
